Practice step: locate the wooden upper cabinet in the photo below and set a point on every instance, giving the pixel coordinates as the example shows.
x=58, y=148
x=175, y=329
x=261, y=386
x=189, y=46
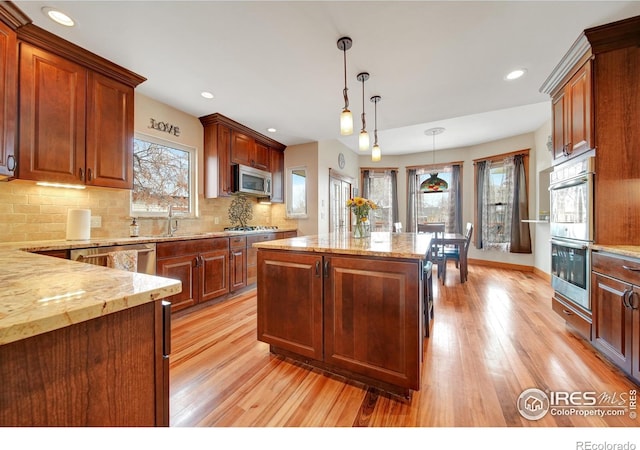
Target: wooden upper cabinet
x=573, y=116
x=277, y=175
x=261, y=157
x=52, y=117
x=76, y=113
x=109, y=150
x=8, y=100
x=227, y=142
x=242, y=148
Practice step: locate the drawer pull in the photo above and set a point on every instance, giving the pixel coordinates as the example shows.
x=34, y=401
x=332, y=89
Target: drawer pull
x=567, y=312
x=633, y=269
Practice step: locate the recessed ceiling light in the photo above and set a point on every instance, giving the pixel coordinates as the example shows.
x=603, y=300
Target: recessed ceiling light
x=515, y=74
x=206, y=94
x=271, y=130
x=58, y=16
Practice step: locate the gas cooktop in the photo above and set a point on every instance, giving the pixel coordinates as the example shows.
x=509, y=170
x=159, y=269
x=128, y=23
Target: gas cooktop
x=251, y=228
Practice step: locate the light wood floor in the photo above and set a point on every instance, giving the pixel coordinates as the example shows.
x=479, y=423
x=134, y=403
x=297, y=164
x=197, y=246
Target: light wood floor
x=493, y=337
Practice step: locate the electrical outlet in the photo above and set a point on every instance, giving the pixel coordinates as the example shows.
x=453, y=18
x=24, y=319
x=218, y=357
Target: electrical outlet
x=216, y=220
x=96, y=221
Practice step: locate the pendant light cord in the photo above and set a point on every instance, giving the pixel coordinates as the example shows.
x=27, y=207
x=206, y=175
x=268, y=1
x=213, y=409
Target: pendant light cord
x=344, y=91
x=364, y=122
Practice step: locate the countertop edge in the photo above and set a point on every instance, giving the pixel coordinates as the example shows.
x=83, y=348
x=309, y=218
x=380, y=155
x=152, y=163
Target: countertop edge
x=632, y=251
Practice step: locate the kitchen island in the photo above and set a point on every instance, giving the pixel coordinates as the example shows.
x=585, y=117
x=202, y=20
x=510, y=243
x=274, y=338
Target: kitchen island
x=81, y=345
x=349, y=306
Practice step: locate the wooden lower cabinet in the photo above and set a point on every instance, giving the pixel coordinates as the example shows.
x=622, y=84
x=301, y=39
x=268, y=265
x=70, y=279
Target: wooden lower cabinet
x=252, y=259
x=201, y=264
x=615, y=297
x=109, y=371
x=237, y=263
x=357, y=316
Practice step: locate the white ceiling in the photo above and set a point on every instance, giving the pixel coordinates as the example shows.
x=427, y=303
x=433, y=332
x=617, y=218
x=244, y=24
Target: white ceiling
x=277, y=64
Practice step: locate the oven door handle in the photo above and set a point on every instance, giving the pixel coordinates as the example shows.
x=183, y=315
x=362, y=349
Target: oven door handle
x=582, y=179
x=570, y=244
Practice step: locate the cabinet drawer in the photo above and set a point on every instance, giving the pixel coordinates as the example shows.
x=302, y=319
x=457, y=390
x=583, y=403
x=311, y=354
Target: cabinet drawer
x=238, y=242
x=260, y=238
x=620, y=267
x=191, y=246
x=572, y=317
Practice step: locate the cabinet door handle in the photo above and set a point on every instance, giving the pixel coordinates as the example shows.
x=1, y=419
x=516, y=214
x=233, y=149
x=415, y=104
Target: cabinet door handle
x=326, y=269
x=81, y=173
x=195, y=262
x=317, y=269
x=632, y=296
x=626, y=298
x=11, y=163
x=633, y=269
x=201, y=260
x=89, y=174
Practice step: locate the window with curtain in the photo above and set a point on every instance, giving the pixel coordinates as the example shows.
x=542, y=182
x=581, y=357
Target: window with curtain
x=435, y=206
x=502, y=204
x=381, y=186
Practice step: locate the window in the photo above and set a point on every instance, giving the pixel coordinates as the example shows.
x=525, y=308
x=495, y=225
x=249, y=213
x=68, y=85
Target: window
x=502, y=203
x=164, y=175
x=433, y=206
x=297, y=192
x=380, y=187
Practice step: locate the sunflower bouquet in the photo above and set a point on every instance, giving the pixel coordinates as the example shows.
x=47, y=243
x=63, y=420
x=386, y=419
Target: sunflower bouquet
x=361, y=207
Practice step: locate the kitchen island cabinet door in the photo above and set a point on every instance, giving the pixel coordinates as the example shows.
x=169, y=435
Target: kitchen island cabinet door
x=290, y=302
x=372, y=318
x=107, y=371
x=612, y=323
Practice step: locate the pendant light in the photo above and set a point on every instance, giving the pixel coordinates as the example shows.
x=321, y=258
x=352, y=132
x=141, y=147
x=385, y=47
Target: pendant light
x=376, y=155
x=363, y=140
x=433, y=183
x=346, y=118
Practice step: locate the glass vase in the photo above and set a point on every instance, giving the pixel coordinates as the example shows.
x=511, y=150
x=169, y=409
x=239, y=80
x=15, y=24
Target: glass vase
x=362, y=228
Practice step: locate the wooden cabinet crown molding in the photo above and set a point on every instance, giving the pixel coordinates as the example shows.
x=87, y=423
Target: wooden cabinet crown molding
x=615, y=35
x=577, y=55
x=45, y=40
x=11, y=15
x=217, y=118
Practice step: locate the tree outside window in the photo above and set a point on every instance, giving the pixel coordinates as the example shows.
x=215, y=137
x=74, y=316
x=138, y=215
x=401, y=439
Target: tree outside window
x=163, y=177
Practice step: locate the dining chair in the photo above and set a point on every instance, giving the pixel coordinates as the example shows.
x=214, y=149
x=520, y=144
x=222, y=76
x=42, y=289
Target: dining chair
x=453, y=254
x=427, y=295
x=436, y=252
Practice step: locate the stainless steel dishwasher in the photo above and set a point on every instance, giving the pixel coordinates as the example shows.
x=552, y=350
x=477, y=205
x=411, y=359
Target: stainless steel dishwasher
x=98, y=255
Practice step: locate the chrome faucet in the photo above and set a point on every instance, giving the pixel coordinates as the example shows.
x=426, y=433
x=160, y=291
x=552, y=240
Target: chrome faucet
x=172, y=224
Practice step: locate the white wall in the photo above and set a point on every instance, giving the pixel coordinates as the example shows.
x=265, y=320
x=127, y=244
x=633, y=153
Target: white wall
x=305, y=155
x=543, y=160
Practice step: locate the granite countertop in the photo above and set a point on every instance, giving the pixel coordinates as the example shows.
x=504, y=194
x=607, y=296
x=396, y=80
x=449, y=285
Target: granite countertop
x=632, y=251
x=43, y=293
x=389, y=245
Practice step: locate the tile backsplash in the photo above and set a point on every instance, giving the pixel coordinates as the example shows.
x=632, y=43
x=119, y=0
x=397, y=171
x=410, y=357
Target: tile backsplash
x=29, y=212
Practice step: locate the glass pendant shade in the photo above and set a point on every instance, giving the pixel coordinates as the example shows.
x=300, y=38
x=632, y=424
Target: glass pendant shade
x=376, y=154
x=363, y=141
x=434, y=184
x=346, y=122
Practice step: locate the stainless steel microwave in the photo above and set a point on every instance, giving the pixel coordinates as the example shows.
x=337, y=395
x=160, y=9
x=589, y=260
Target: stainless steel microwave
x=249, y=180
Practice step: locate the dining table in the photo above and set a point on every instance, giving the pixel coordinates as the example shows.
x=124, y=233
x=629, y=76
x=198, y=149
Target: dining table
x=455, y=239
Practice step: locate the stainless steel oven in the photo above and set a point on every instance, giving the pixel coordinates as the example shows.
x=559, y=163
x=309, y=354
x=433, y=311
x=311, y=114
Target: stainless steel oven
x=571, y=226
x=570, y=268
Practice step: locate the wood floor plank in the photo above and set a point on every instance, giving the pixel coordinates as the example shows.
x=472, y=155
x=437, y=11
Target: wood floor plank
x=492, y=337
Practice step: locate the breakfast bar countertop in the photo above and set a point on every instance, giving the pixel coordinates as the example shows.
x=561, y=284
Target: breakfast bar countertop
x=41, y=293
x=380, y=244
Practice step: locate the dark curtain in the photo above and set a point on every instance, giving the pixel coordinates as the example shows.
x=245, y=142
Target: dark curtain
x=366, y=184
x=455, y=201
x=412, y=182
x=520, y=236
x=481, y=167
x=394, y=197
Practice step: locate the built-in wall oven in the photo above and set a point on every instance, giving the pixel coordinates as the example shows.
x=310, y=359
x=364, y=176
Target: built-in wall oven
x=571, y=224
